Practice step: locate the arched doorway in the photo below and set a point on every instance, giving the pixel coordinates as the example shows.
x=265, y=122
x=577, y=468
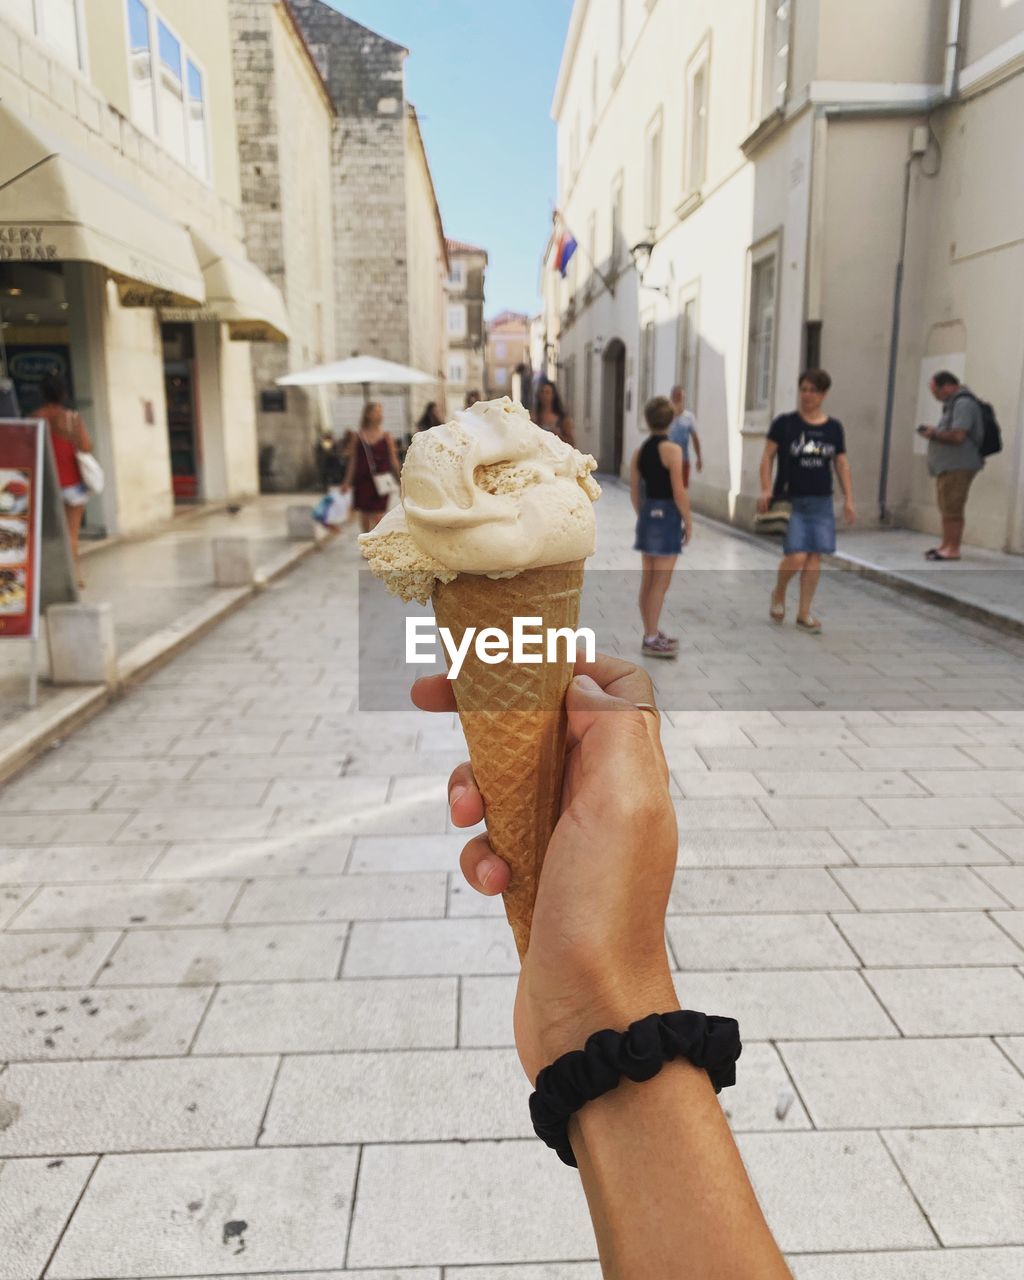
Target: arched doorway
x=613, y=395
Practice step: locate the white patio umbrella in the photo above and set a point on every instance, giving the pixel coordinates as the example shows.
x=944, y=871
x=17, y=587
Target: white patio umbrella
x=365, y=370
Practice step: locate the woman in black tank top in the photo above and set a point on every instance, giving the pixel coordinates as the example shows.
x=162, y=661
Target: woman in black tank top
x=664, y=521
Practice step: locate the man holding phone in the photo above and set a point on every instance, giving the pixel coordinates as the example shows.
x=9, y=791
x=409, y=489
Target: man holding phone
x=954, y=457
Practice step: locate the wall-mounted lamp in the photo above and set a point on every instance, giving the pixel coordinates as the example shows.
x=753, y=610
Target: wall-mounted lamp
x=641, y=254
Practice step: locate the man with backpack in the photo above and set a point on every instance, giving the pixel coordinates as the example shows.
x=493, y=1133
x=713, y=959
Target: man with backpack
x=957, y=448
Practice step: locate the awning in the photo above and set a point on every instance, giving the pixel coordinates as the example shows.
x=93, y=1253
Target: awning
x=58, y=205
x=237, y=293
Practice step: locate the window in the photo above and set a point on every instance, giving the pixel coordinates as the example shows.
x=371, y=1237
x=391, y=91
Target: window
x=140, y=69
x=456, y=369
x=652, y=173
x=687, y=349
x=457, y=321
x=569, y=385
x=574, y=147
x=588, y=382
x=57, y=23
x=761, y=332
x=620, y=35
x=696, y=161
x=592, y=252
x=646, y=362
x=593, y=95
x=171, y=96
x=500, y=350
x=501, y=377
x=457, y=275
x=775, y=73
x=615, y=256
x=197, y=156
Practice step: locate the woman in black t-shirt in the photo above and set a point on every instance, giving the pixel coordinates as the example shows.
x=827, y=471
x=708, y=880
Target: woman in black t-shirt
x=809, y=446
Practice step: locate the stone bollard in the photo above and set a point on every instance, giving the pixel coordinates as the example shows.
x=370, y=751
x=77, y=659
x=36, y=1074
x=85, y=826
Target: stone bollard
x=301, y=525
x=232, y=562
x=82, y=645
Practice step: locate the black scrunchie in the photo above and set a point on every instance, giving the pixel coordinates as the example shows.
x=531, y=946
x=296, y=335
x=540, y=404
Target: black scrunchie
x=638, y=1053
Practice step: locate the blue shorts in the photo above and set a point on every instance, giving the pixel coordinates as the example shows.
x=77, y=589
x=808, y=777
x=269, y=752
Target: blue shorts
x=659, y=528
x=812, y=527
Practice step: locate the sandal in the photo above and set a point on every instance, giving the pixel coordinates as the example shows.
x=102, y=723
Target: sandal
x=936, y=554
x=810, y=625
x=777, y=611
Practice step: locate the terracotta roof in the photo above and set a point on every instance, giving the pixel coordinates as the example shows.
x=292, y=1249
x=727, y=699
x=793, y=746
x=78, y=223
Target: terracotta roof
x=460, y=246
x=509, y=317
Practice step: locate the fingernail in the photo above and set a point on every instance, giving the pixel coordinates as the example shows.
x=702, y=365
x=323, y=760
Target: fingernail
x=586, y=685
x=455, y=795
x=485, y=869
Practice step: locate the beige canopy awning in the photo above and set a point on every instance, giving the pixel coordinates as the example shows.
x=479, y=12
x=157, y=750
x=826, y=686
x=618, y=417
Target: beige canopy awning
x=58, y=205
x=237, y=293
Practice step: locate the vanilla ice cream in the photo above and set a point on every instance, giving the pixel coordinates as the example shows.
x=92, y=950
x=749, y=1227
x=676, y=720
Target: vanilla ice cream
x=488, y=493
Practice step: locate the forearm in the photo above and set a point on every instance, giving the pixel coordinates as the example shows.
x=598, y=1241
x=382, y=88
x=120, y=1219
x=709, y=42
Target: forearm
x=666, y=1188
x=766, y=474
x=844, y=477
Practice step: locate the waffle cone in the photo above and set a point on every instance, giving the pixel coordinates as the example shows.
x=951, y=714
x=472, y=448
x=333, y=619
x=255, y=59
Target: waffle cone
x=513, y=716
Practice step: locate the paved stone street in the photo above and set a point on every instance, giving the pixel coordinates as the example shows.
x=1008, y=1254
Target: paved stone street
x=254, y=1023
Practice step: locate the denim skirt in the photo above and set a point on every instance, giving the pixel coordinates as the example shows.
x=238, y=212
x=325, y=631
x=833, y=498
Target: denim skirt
x=812, y=526
x=659, y=528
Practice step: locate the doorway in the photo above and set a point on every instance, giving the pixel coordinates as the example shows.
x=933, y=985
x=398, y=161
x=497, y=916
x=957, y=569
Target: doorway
x=182, y=410
x=613, y=398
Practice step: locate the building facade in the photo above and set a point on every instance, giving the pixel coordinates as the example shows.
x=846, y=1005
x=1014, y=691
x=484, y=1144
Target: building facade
x=285, y=118
x=737, y=177
x=121, y=256
x=464, y=322
x=390, y=262
x=508, y=356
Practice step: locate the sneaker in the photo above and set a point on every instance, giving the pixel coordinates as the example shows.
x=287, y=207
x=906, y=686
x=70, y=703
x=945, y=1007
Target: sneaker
x=670, y=640
x=659, y=647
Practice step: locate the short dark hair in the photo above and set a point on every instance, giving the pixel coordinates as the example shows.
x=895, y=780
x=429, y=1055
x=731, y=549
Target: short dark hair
x=818, y=378
x=659, y=413
x=945, y=379
x=52, y=388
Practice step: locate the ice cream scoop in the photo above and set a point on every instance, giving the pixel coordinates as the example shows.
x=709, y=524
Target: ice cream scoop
x=487, y=493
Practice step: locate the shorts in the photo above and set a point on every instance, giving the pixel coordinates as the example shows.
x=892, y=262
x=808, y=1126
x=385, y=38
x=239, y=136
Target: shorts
x=812, y=527
x=659, y=528
x=951, y=489
x=75, y=495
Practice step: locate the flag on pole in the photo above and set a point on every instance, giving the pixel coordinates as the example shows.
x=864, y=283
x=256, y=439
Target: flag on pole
x=566, y=248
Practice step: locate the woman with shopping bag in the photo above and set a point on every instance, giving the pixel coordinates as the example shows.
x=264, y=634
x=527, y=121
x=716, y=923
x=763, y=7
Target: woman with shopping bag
x=373, y=468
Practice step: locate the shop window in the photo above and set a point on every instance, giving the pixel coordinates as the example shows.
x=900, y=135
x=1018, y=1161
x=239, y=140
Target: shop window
x=761, y=332
x=197, y=156
x=57, y=23
x=141, y=67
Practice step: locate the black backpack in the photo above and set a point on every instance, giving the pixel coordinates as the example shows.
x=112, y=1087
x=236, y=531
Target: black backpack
x=991, y=436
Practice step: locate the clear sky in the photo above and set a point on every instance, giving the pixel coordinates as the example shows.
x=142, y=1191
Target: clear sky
x=481, y=74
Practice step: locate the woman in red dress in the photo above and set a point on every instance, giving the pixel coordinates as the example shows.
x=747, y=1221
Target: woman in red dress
x=69, y=438
x=371, y=453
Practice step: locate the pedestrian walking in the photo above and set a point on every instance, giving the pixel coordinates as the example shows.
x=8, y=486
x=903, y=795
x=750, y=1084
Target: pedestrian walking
x=372, y=469
x=330, y=462
x=549, y=413
x=809, y=446
x=69, y=438
x=954, y=457
x=428, y=418
x=664, y=521
x=683, y=432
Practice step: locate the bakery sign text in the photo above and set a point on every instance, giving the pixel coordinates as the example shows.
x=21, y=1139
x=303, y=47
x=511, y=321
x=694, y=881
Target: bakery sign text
x=25, y=244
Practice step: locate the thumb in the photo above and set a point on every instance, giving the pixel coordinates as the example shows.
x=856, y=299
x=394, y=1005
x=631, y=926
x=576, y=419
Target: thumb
x=591, y=711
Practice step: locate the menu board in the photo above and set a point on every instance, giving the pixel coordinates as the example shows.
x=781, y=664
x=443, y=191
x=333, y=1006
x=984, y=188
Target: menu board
x=21, y=474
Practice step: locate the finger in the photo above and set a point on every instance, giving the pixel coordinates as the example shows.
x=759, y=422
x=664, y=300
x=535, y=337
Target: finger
x=619, y=679
x=433, y=693
x=621, y=734
x=483, y=869
x=465, y=803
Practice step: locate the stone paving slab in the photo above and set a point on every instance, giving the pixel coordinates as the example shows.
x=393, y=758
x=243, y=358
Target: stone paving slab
x=233, y=953
x=924, y=848
x=872, y=1084
x=969, y=1182
x=712, y=849
x=912, y=1264
x=64, y=1108
x=965, y=1002
x=74, y=863
x=758, y=942
x=930, y=937
x=89, y=1023
x=129, y=906
x=218, y=1212
x=366, y=897
x=237, y=859
x=39, y=1197
x=53, y=959
x=383, y=949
